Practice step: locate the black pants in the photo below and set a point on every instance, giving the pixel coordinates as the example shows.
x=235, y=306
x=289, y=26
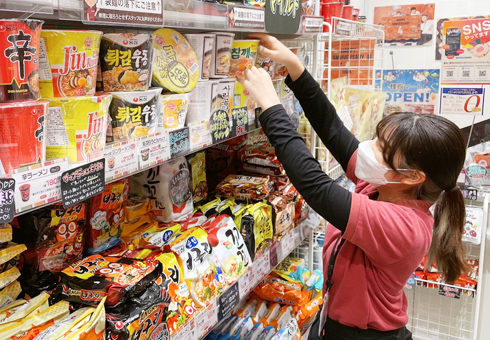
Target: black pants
x=336, y=331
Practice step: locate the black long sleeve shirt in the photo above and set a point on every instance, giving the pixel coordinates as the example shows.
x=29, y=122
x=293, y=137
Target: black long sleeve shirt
x=328, y=199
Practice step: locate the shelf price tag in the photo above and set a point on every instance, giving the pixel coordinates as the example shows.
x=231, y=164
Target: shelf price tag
x=246, y=283
x=39, y=184
x=148, y=12
x=312, y=24
x=7, y=200
x=121, y=159
x=261, y=267
x=188, y=332
x=153, y=150
x=227, y=301
x=179, y=142
x=246, y=17
x=83, y=182
x=451, y=292
x=200, y=137
x=205, y=320
x=288, y=243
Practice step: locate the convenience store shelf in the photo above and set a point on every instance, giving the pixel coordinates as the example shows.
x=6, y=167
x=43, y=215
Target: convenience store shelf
x=40, y=185
x=204, y=320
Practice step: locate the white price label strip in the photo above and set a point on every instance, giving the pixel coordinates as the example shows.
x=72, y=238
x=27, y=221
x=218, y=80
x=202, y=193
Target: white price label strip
x=246, y=283
x=38, y=185
x=261, y=267
x=153, y=150
x=207, y=319
x=187, y=332
x=287, y=243
x=121, y=159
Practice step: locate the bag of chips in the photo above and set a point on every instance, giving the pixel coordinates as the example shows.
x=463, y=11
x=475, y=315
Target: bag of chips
x=9, y=251
x=94, y=329
x=105, y=215
x=35, y=305
x=9, y=276
x=9, y=294
x=169, y=186
x=90, y=280
x=77, y=319
x=5, y=232
x=281, y=291
x=244, y=188
x=141, y=318
x=197, y=163
x=228, y=247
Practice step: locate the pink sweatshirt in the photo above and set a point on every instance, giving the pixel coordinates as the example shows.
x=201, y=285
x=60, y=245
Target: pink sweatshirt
x=385, y=243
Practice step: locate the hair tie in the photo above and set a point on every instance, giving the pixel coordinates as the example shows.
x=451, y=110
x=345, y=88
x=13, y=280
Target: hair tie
x=456, y=187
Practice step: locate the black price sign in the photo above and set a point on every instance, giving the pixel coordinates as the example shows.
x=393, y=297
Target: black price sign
x=227, y=301
x=282, y=16
x=451, y=292
x=7, y=200
x=240, y=121
x=219, y=126
x=82, y=182
x=179, y=142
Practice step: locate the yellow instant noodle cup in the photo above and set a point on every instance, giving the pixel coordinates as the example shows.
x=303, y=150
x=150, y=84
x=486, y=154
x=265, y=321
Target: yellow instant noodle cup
x=175, y=63
x=76, y=126
x=69, y=66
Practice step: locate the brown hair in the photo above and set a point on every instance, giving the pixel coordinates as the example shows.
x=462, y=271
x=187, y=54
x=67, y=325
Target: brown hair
x=435, y=146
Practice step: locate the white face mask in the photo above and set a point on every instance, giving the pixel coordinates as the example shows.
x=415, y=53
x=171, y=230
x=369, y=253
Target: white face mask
x=368, y=168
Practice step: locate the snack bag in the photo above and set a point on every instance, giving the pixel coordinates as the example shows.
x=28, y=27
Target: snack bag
x=168, y=185
x=181, y=307
x=61, y=236
x=94, y=329
x=5, y=232
x=204, y=278
x=9, y=251
x=32, y=325
x=11, y=308
x=141, y=318
x=77, y=319
x=306, y=315
x=90, y=280
x=163, y=237
x=105, y=216
x=244, y=188
x=197, y=163
x=293, y=270
x=9, y=276
x=9, y=294
x=35, y=305
x=228, y=247
x=277, y=290
x=261, y=159
x=262, y=223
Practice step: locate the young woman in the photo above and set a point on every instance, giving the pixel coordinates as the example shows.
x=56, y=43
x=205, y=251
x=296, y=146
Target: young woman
x=385, y=227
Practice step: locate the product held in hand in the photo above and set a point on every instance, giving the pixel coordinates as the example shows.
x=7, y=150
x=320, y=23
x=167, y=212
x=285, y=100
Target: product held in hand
x=76, y=126
x=125, y=61
x=134, y=114
x=72, y=59
x=175, y=64
x=19, y=61
x=243, y=55
x=22, y=127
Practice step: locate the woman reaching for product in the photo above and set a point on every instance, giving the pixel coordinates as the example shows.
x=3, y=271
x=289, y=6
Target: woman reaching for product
x=379, y=234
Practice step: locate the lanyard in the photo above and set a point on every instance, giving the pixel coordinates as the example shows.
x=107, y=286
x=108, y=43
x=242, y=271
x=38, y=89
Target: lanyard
x=331, y=261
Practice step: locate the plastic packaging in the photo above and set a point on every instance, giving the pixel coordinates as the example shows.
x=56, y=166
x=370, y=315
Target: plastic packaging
x=220, y=64
x=173, y=113
x=243, y=56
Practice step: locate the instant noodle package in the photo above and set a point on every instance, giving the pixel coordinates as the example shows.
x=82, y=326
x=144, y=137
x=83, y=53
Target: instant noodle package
x=126, y=60
x=197, y=164
x=106, y=214
x=244, y=187
x=19, y=62
x=76, y=126
x=175, y=65
x=71, y=66
x=243, y=56
x=134, y=114
x=203, y=46
x=174, y=109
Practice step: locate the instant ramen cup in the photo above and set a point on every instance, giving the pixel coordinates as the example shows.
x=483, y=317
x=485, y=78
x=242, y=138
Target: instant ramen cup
x=174, y=110
x=19, y=60
x=76, y=126
x=243, y=55
x=125, y=61
x=73, y=56
x=175, y=64
x=220, y=63
x=134, y=114
x=203, y=46
x=22, y=134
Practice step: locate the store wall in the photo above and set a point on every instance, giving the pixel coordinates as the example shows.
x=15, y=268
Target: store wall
x=422, y=57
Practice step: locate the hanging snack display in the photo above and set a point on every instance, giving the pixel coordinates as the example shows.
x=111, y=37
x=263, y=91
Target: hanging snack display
x=134, y=114
x=19, y=62
x=72, y=59
x=76, y=126
x=175, y=64
x=26, y=146
x=125, y=61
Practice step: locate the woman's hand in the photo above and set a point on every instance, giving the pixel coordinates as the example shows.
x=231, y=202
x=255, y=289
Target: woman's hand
x=259, y=85
x=272, y=48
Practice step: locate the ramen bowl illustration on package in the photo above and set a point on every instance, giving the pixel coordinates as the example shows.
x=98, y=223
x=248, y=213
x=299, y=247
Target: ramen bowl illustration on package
x=125, y=61
x=21, y=134
x=243, y=55
x=175, y=65
x=73, y=56
x=19, y=62
x=220, y=64
x=134, y=114
x=76, y=126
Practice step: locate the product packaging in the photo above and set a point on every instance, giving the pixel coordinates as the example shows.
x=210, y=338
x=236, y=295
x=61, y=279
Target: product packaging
x=173, y=113
x=197, y=164
x=221, y=61
x=203, y=45
x=203, y=101
x=243, y=56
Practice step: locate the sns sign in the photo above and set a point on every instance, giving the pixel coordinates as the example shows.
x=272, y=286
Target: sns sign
x=468, y=101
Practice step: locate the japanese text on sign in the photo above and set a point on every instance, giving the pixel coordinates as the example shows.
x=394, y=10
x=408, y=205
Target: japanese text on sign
x=83, y=182
x=7, y=200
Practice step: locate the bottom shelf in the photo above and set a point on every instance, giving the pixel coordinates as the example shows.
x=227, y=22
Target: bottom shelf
x=205, y=319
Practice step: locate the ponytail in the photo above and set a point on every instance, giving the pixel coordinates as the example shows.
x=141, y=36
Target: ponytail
x=447, y=245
